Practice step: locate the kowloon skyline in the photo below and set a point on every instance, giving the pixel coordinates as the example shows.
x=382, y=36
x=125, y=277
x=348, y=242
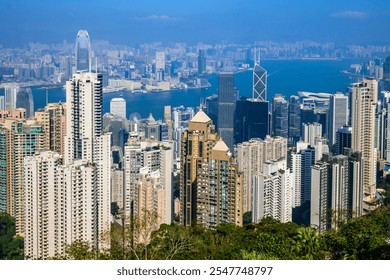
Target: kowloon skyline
x=138, y=22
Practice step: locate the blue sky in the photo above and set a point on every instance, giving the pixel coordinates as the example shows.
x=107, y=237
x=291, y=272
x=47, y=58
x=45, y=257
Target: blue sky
x=132, y=22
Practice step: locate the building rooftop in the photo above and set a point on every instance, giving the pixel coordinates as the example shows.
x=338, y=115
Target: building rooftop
x=200, y=117
x=220, y=146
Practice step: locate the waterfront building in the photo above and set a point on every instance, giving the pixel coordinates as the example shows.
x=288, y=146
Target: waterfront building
x=118, y=107
x=83, y=52
x=160, y=61
x=259, y=81
x=201, y=62
x=314, y=100
x=24, y=99
x=10, y=92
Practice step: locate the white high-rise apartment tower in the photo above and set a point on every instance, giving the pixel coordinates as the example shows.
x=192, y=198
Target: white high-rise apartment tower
x=311, y=131
x=153, y=156
x=85, y=176
x=61, y=204
x=272, y=192
x=251, y=156
x=85, y=139
x=364, y=100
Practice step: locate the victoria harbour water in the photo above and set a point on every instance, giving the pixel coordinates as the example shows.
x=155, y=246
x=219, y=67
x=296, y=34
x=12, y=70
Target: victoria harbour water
x=286, y=77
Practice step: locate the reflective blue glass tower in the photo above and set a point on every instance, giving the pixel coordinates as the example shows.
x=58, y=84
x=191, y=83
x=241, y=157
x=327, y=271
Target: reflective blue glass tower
x=83, y=52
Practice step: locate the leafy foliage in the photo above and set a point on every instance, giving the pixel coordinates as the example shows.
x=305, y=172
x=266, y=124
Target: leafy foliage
x=364, y=238
x=307, y=243
x=11, y=246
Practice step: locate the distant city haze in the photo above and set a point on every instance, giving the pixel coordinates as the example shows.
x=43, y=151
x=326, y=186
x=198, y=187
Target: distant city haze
x=309, y=75
x=245, y=21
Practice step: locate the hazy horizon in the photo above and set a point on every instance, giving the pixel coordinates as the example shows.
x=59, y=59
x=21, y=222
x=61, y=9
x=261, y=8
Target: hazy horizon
x=244, y=21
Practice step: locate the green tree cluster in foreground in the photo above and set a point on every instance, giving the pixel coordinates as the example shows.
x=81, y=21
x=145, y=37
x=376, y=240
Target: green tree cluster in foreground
x=364, y=238
x=11, y=246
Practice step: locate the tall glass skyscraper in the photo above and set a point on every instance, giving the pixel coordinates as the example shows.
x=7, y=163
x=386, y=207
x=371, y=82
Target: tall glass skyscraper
x=386, y=69
x=201, y=62
x=294, y=119
x=24, y=99
x=280, y=116
x=343, y=139
x=227, y=96
x=259, y=83
x=251, y=120
x=83, y=52
x=338, y=115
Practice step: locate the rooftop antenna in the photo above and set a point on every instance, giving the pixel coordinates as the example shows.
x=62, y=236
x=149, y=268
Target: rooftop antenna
x=256, y=55
x=47, y=96
x=202, y=102
x=96, y=64
x=259, y=56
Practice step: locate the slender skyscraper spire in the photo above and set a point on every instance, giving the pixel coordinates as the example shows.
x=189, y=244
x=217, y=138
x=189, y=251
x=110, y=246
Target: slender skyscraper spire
x=83, y=51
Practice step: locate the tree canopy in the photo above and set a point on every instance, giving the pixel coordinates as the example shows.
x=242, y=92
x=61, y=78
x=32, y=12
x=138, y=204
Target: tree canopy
x=11, y=246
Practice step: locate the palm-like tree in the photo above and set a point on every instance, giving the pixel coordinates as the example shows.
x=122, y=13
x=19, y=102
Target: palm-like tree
x=306, y=243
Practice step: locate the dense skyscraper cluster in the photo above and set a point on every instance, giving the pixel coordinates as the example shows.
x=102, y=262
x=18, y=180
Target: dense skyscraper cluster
x=68, y=171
